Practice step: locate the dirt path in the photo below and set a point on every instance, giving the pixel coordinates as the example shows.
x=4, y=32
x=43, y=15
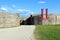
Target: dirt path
x=18, y=33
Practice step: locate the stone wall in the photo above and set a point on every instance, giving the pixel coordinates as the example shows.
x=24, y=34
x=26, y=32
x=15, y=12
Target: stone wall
x=9, y=20
x=52, y=19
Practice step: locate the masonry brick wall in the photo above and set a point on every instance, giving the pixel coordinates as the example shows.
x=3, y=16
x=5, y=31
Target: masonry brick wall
x=52, y=19
x=9, y=20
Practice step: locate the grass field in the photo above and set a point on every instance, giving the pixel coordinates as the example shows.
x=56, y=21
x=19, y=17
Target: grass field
x=47, y=32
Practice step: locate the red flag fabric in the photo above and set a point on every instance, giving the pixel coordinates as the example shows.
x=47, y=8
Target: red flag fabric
x=42, y=14
x=46, y=14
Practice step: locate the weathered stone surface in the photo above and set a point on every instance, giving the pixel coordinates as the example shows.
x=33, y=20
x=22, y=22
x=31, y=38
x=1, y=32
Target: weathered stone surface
x=8, y=19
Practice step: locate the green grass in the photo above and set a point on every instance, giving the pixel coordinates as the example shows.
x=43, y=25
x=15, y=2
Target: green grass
x=47, y=32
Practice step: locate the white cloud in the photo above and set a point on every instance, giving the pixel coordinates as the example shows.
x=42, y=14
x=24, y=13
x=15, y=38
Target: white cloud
x=20, y=10
x=13, y=5
x=23, y=10
x=26, y=10
x=41, y=2
x=4, y=9
x=32, y=12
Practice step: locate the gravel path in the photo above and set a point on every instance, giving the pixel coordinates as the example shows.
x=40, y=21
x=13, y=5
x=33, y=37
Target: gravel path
x=24, y=32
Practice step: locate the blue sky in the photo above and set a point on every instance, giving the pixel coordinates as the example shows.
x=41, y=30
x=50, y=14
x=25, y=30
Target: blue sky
x=27, y=7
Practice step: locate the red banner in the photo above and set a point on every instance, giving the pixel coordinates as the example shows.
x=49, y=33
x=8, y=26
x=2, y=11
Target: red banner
x=46, y=14
x=42, y=14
